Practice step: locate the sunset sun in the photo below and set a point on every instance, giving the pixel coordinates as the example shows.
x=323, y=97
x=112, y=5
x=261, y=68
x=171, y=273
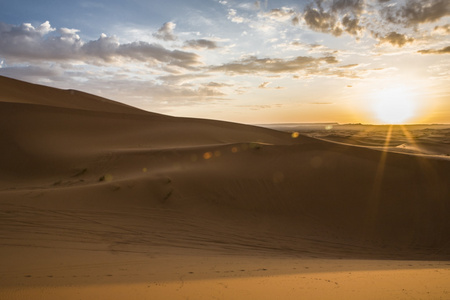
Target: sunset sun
x=394, y=106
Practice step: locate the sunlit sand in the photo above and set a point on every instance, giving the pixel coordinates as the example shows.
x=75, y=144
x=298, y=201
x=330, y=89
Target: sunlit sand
x=102, y=200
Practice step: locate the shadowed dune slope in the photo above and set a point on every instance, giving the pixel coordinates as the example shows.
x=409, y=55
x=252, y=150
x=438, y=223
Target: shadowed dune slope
x=69, y=150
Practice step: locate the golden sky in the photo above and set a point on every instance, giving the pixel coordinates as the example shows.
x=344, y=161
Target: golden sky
x=368, y=61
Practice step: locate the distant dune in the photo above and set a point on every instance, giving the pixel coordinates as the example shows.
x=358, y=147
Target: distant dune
x=84, y=179
x=422, y=139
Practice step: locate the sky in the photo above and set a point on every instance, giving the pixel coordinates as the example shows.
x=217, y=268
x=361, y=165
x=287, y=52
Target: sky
x=259, y=62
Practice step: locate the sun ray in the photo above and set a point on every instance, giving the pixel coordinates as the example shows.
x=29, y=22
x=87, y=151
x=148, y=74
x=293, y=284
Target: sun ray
x=372, y=207
x=409, y=137
x=425, y=166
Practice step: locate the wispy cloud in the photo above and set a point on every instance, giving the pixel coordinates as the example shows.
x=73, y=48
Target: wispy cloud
x=321, y=103
x=254, y=65
x=265, y=85
x=282, y=14
x=445, y=50
x=200, y=44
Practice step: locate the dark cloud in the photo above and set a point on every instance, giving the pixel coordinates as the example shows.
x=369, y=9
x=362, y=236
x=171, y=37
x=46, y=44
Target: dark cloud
x=355, y=16
x=319, y=20
x=352, y=6
x=335, y=17
x=351, y=25
x=254, y=65
x=417, y=11
x=445, y=50
x=201, y=43
x=27, y=43
x=166, y=32
x=396, y=39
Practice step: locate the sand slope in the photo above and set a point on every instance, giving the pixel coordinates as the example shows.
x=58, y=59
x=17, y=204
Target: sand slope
x=81, y=174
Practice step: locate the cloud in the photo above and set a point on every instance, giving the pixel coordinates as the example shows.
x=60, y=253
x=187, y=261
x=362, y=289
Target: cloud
x=262, y=106
x=281, y=14
x=27, y=43
x=263, y=85
x=319, y=20
x=353, y=17
x=295, y=20
x=352, y=6
x=415, y=12
x=445, y=50
x=349, y=66
x=31, y=72
x=30, y=30
x=396, y=39
x=146, y=52
x=351, y=25
x=181, y=79
x=337, y=17
x=201, y=43
x=218, y=84
x=254, y=65
x=299, y=45
x=105, y=48
x=165, y=33
x=149, y=94
x=445, y=29
x=233, y=17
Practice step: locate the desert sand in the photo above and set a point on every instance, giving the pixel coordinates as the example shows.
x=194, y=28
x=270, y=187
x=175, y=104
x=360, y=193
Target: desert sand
x=100, y=200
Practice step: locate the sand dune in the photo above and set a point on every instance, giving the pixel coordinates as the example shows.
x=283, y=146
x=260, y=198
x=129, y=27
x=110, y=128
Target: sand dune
x=85, y=179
